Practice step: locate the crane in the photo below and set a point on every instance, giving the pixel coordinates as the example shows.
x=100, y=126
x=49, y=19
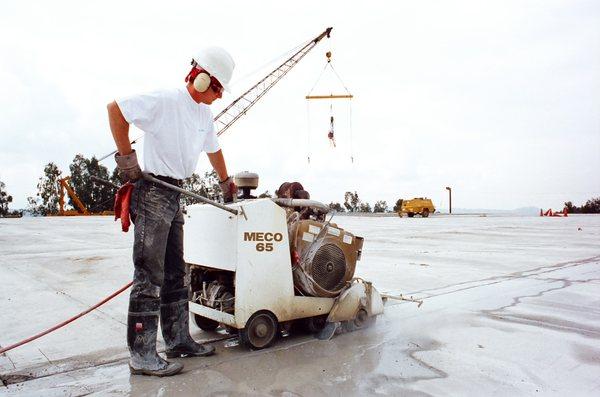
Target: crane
x=244, y=102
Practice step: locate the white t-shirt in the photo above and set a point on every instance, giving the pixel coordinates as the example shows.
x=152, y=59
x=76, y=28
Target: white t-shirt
x=177, y=130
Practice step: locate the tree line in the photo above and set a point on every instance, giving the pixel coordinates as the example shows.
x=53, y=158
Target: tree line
x=5, y=200
x=352, y=203
x=94, y=196
x=591, y=206
x=97, y=197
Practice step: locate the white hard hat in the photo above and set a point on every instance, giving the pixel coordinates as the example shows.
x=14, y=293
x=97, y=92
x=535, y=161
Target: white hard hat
x=217, y=62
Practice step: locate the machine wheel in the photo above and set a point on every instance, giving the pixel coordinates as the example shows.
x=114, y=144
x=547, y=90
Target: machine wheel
x=410, y=214
x=206, y=324
x=361, y=318
x=361, y=321
x=315, y=324
x=230, y=330
x=260, y=331
x=425, y=212
x=311, y=325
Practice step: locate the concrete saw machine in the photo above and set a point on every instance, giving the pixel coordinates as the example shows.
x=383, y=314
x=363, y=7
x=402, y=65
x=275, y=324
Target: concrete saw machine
x=277, y=265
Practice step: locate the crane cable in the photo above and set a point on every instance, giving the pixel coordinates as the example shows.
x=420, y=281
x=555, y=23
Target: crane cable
x=349, y=111
x=308, y=131
x=336, y=74
x=269, y=63
x=339, y=78
x=319, y=78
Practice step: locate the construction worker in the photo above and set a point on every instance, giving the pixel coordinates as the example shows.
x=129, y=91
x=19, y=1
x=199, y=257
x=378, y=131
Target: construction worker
x=178, y=126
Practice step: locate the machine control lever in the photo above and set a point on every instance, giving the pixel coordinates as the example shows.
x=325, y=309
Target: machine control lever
x=150, y=178
x=288, y=202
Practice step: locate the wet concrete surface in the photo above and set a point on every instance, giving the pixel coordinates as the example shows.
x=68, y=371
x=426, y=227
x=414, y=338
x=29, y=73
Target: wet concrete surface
x=511, y=307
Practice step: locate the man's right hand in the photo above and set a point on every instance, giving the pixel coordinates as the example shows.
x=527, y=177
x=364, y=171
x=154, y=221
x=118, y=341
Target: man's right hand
x=129, y=168
x=229, y=190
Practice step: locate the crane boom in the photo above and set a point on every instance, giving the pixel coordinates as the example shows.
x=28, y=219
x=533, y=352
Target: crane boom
x=240, y=106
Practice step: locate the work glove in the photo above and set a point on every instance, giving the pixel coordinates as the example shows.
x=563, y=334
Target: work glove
x=129, y=168
x=229, y=189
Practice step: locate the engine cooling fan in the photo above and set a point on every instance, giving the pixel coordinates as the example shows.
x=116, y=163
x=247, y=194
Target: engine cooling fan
x=328, y=258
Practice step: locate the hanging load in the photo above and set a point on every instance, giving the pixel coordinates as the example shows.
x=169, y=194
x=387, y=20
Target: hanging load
x=331, y=97
x=330, y=135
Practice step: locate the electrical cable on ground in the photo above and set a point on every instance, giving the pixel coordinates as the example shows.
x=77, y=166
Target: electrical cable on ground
x=60, y=325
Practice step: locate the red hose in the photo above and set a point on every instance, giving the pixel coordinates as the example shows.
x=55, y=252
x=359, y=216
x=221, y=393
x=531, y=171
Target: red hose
x=57, y=326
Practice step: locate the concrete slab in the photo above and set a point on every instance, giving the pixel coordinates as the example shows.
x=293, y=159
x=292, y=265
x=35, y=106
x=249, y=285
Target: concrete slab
x=512, y=306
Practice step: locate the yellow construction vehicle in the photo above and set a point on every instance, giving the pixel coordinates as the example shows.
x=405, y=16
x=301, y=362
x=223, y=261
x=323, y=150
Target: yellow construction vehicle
x=420, y=205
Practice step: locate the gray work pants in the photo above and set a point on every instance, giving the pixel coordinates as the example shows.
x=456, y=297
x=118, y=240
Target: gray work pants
x=158, y=247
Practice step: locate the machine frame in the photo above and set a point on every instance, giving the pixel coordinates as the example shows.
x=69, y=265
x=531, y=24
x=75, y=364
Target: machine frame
x=255, y=249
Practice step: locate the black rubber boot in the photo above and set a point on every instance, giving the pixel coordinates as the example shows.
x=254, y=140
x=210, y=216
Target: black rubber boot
x=142, y=325
x=175, y=324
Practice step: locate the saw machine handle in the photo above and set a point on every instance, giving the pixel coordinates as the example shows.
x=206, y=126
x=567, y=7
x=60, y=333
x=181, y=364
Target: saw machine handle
x=152, y=179
x=104, y=182
x=317, y=205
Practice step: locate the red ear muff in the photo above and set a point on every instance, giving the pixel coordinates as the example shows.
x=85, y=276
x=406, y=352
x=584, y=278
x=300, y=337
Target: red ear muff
x=199, y=78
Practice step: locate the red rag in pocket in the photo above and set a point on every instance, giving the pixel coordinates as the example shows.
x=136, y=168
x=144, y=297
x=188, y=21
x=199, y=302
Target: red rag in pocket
x=122, y=200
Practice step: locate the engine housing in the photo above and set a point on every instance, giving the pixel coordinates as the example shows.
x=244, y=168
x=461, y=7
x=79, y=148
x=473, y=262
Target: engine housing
x=327, y=256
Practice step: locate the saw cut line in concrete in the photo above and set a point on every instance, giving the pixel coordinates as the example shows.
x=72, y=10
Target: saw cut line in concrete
x=499, y=279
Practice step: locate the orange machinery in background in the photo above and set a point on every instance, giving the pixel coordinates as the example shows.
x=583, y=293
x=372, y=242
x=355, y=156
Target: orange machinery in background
x=63, y=184
x=563, y=213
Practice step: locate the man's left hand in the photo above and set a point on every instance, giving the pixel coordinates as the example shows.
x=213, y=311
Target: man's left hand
x=229, y=189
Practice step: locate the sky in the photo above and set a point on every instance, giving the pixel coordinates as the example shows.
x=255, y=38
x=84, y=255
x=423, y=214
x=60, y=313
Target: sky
x=499, y=100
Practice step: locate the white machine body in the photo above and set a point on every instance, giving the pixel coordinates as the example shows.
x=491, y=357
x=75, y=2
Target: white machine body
x=255, y=246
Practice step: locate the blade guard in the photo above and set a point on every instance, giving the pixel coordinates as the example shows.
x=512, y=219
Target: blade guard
x=359, y=294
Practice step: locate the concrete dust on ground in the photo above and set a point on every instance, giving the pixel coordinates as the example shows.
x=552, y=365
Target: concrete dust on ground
x=511, y=306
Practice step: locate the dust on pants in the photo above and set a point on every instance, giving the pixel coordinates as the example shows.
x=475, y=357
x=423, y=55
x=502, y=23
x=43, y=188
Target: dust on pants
x=158, y=242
